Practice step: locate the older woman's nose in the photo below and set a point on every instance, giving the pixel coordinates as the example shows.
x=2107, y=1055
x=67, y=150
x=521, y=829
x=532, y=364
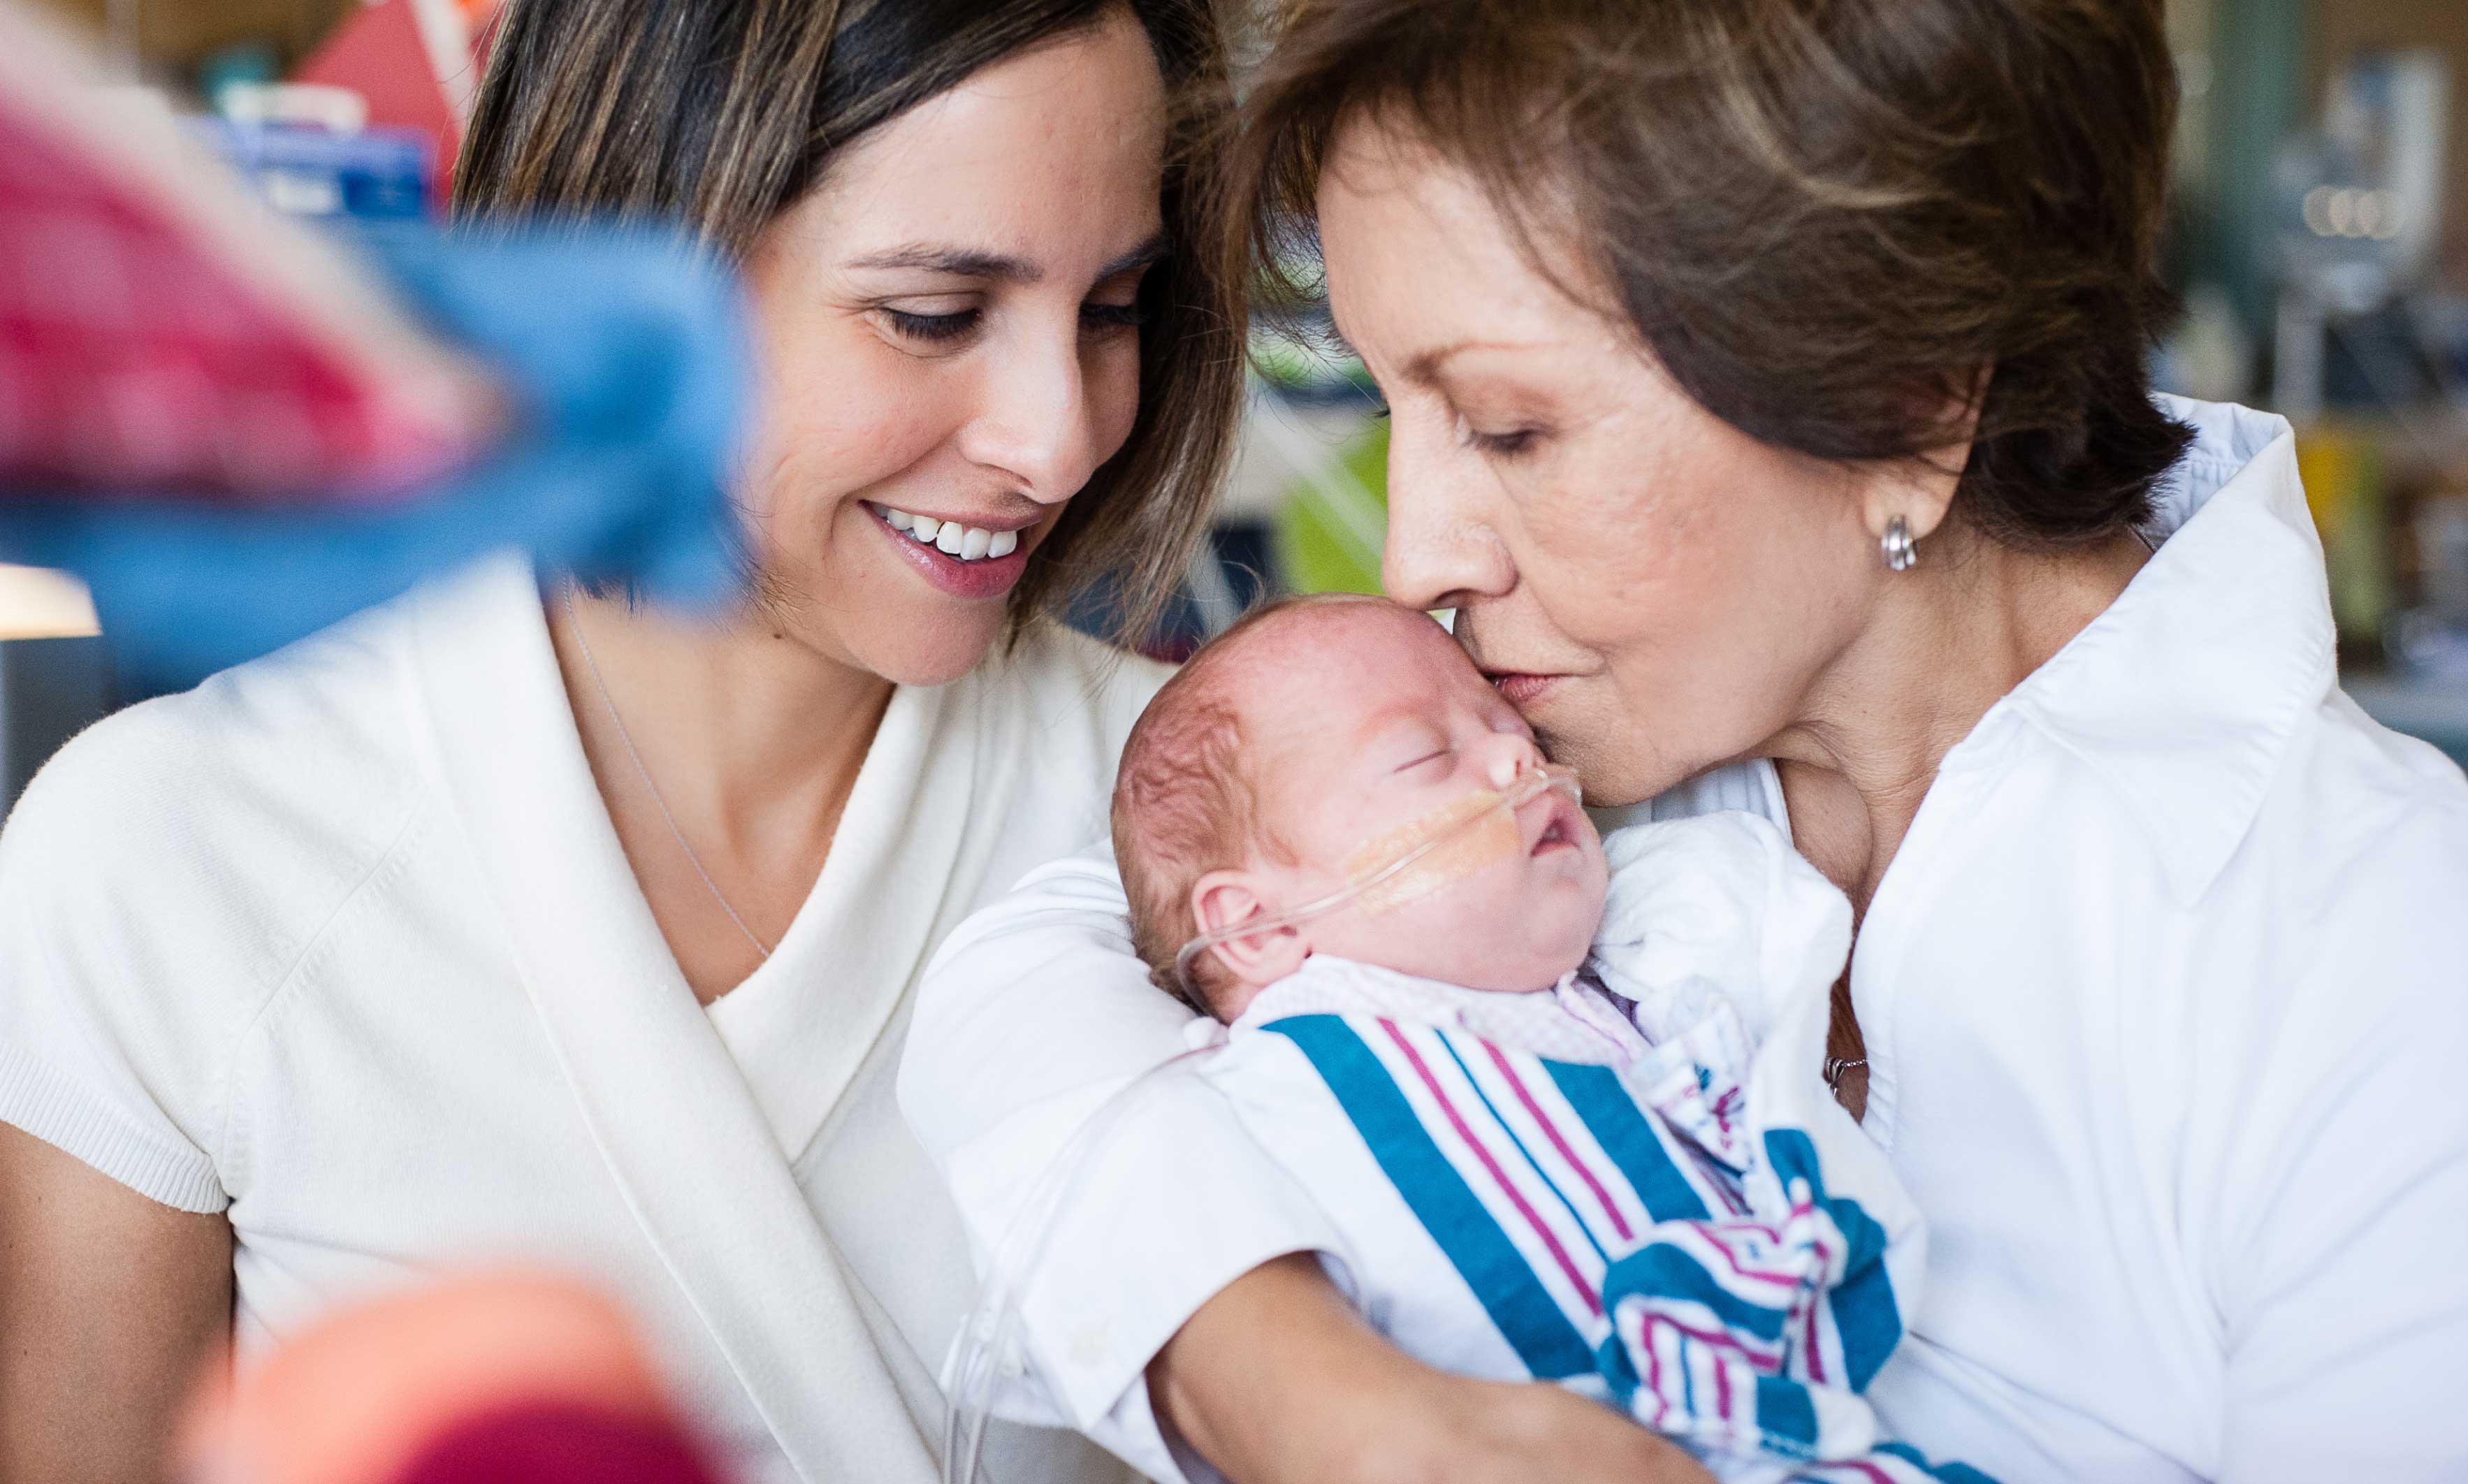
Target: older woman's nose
x=1034, y=422
x=1440, y=551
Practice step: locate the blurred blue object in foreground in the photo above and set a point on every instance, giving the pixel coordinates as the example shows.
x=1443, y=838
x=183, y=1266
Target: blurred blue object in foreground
x=623, y=355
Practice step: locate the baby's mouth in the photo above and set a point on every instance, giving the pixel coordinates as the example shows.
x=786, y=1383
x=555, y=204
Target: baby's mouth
x=1559, y=831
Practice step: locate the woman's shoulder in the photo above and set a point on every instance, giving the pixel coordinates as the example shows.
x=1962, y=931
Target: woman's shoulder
x=266, y=785
x=161, y=877
x=2358, y=806
x=2332, y=1022
x=2345, y=894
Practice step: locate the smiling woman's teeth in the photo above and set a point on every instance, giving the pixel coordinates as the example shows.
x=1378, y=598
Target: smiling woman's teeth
x=968, y=543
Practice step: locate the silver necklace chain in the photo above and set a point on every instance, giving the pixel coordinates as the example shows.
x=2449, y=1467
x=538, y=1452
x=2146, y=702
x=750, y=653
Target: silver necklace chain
x=574, y=620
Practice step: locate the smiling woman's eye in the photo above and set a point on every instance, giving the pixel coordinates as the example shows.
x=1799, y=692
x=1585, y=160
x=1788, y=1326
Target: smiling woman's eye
x=932, y=328
x=1104, y=318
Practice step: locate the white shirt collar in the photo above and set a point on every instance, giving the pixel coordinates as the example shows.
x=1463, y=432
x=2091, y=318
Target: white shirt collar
x=2183, y=696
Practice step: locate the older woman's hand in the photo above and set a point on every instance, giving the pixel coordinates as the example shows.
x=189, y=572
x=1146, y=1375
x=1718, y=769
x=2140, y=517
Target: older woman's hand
x=1277, y=1381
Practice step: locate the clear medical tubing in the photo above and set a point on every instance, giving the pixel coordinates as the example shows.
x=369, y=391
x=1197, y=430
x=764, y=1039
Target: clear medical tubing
x=986, y=1341
x=985, y=1346
x=1367, y=876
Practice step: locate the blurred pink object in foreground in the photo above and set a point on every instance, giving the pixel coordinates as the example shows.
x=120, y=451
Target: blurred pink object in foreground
x=502, y=1379
x=162, y=331
x=547, y=1444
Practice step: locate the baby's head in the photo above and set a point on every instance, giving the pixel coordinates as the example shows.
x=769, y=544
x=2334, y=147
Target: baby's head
x=1307, y=738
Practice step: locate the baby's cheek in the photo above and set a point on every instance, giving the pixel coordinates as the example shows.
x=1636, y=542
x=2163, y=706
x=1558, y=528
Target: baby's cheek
x=1509, y=941
x=1467, y=837
x=1529, y=938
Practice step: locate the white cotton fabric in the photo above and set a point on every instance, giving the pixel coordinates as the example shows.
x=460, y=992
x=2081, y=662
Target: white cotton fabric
x=2165, y=998
x=342, y=944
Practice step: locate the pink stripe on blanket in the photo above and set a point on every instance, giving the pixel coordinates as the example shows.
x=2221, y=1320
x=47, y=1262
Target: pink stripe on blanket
x=1457, y=1121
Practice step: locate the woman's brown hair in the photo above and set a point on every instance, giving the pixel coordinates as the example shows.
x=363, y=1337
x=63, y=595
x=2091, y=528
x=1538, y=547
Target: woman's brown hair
x=719, y=114
x=1827, y=219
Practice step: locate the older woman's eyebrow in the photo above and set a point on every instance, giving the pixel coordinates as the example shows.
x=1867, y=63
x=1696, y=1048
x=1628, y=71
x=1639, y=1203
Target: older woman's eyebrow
x=1426, y=365
x=974, y=263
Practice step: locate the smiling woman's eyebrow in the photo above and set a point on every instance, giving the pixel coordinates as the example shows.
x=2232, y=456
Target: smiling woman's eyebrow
x=972, y=263
x=1148, y=254
x=958, y=262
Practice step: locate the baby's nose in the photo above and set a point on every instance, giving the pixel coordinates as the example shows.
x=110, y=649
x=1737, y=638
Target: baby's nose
x=1508, y=755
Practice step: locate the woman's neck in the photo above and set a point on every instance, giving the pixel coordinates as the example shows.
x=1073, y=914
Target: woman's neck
x=1947, y=641
x=751, y=742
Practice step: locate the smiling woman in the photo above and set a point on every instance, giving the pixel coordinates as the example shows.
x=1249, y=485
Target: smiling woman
x=906, y=273
x=511, y=925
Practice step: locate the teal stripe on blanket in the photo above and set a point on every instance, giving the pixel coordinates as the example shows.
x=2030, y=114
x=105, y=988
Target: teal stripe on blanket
x=1619, y=1126
x=1524, y=1312
x=1660, y=1271
x=1450, y=1042
x=1865, y=1314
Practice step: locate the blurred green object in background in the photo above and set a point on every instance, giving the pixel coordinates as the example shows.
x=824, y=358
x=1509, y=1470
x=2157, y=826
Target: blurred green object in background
x=1330, y=527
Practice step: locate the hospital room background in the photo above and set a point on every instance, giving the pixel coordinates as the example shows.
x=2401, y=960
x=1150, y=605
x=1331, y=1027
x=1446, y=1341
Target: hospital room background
x=2322, y=245
x=2319, y=241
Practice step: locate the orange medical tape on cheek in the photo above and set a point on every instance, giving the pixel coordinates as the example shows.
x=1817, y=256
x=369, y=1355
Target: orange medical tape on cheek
x=1471, y=832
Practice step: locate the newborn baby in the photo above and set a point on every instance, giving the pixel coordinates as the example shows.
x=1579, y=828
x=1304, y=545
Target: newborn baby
x=1343, y=846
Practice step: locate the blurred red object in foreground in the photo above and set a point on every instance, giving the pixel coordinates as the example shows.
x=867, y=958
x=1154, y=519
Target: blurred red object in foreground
x=507, y=1380
x=160, y=331
x=548, y=1445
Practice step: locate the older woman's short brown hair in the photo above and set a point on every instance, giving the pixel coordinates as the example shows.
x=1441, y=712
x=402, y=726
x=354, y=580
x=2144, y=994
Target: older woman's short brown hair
x=1828, y=220
x=718, y=116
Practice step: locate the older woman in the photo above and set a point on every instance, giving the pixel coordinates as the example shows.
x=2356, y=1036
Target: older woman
x=1768, y=403
x=503, y=926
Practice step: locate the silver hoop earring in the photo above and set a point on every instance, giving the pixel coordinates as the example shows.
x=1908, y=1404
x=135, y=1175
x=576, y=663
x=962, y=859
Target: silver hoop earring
x=1901, y=553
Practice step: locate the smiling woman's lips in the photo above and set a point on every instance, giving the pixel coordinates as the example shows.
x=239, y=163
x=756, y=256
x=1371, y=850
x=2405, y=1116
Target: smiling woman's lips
x=993, y=577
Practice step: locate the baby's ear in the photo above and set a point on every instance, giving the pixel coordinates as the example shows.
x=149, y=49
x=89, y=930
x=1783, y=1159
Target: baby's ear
x=1224, y=899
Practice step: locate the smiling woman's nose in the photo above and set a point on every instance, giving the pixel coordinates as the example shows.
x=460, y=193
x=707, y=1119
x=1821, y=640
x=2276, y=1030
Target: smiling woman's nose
x=1441, y=552
x=1034, y=423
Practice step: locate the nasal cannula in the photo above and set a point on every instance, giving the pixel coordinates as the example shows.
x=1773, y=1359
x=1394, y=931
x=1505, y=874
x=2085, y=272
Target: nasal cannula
x=1411, y=861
